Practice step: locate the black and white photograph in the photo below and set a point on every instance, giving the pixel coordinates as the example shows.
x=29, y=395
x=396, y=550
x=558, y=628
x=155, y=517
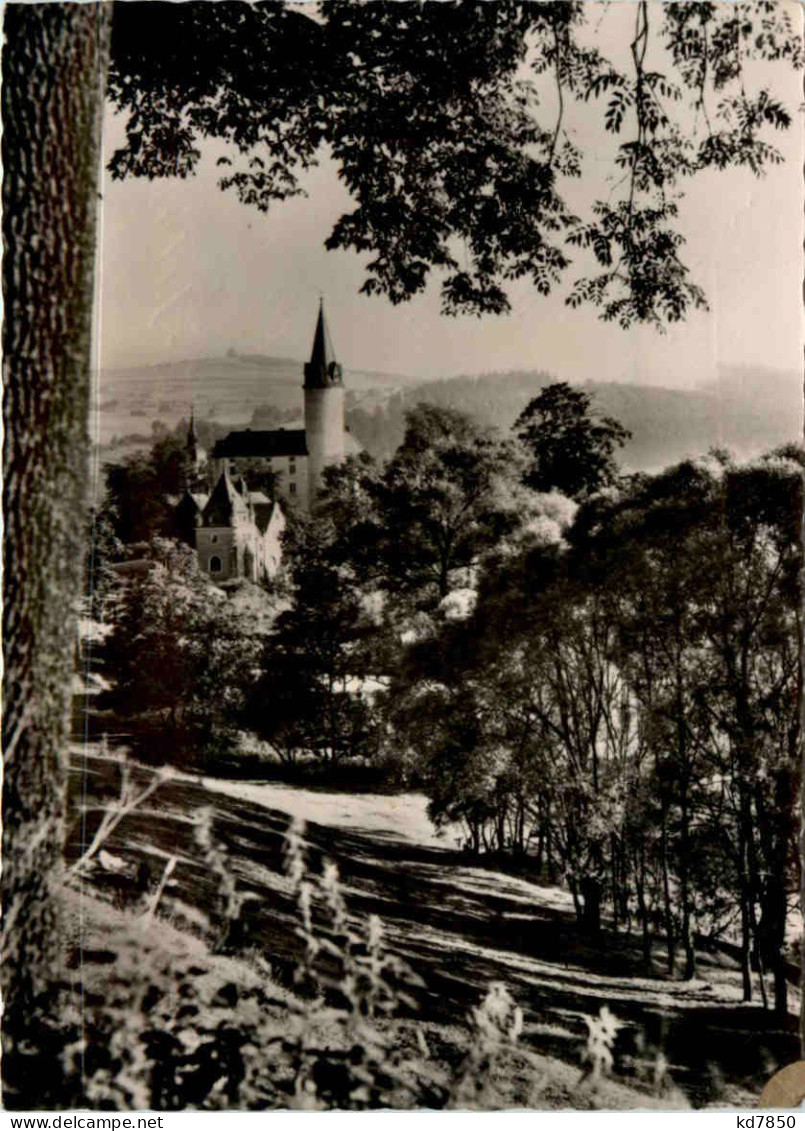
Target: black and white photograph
x=403, y=505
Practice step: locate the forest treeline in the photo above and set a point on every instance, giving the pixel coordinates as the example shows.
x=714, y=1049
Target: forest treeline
x=594, y=676
x=750, y=411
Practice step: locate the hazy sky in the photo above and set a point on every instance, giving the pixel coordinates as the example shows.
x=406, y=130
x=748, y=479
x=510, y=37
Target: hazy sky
x=187, y=271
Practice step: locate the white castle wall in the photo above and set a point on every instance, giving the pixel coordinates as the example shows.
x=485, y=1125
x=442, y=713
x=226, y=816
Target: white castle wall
x=220, y=542
x=324, y=431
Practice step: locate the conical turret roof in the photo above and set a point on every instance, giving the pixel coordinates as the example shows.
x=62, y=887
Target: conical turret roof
x=322, y=370
x=225, y=503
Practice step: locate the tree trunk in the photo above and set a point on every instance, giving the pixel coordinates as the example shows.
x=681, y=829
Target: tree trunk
x=614, y=878
x=687, y=932
x=666, y=896
x=549, y=848
x=591, y=888
x=777, y=831
x=54, y=64
x=746, y=946
x=772, y=938
x=797, y=751
x=501, y=832
x=577, y=904
x=684, y=757
x=754, y=888
x=642, y=909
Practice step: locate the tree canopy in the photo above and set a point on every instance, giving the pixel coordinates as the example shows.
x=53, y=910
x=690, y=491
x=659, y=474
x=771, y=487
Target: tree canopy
x=180, y=655
x=569, y=449
x=311, y=698
x=623, y=710
x=451, y=127
x=449, y=493
x=138, y=489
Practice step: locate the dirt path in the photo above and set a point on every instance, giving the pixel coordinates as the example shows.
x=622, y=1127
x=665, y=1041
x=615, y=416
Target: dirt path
x=460, y=926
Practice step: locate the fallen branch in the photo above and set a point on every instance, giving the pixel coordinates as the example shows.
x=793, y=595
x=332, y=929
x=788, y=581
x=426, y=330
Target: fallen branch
x=166, y=874
x=127, y=803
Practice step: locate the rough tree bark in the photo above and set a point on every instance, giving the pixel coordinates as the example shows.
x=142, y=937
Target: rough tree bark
x=54, y=64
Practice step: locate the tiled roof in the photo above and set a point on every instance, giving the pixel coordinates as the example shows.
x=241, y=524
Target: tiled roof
x=262, y=515
x=261, y=445
x=223, y=504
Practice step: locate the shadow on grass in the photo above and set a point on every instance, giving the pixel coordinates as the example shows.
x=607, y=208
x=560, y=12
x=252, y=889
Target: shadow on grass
x=459, y=926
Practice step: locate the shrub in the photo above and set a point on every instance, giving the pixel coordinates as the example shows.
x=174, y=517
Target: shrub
x=180, y=658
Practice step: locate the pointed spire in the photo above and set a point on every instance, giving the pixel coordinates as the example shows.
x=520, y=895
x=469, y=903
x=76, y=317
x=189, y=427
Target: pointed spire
x=192, y=435
x=322, y=370
x=225, y=502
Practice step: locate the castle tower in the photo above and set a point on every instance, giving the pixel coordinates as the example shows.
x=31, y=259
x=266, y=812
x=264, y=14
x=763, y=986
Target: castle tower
x=324, y=407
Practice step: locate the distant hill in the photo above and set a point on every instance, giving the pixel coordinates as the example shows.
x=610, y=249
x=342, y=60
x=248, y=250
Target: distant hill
x=748, y=410
x=226, y=389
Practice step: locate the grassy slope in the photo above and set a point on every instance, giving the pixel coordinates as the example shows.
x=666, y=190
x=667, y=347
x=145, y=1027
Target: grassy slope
x=461, y=927
x=516, y=1080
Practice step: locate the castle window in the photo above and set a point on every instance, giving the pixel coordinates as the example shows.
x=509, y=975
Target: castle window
x=213, y=537
x=292, y=488
x=215, y=564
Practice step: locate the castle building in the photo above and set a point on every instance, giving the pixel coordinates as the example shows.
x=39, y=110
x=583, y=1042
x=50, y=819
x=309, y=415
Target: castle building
x=237, y=532
x=298, y=456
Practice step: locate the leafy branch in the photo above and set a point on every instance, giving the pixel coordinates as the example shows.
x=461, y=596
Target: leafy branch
x=438, y=133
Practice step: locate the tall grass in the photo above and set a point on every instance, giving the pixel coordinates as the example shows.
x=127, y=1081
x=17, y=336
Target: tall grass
x=166, y=1032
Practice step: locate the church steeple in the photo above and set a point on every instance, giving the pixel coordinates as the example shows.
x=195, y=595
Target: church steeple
x=324, y=408
x=194, y=453
x=322, y=371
